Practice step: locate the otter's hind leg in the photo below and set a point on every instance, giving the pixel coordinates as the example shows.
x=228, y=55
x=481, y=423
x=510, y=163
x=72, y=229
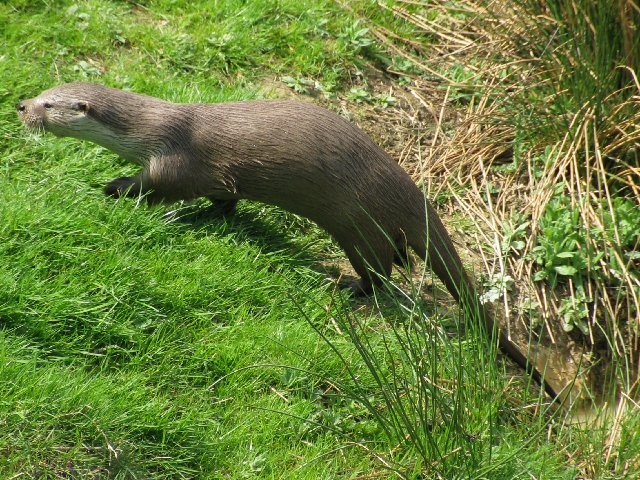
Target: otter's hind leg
x=434, y=246
x=223, y=208
x=372, y=261
x=401, y=253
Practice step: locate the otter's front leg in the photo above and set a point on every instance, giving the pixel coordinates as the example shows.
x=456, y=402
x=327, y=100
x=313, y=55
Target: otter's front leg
x=132, y=187
x=124, y=186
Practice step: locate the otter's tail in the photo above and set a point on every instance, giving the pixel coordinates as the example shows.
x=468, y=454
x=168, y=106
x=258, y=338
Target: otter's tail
x=436, y=248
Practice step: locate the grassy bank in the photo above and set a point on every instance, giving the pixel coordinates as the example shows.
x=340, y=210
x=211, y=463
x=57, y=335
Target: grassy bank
x=159, y=342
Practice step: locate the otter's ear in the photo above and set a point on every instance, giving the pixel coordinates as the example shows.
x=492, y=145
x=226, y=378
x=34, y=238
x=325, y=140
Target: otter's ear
x=81, y=106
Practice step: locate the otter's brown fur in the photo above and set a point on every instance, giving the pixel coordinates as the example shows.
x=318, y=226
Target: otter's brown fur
x=295, y=155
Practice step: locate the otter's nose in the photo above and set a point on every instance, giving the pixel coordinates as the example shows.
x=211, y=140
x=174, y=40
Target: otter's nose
x=21, y=107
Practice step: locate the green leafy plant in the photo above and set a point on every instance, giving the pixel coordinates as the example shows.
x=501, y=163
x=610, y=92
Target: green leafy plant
x=562, y=249
x=567, y=248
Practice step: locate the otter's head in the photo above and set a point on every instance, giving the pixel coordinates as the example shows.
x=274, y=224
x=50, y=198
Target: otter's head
x=103, y=115
x=63, y=111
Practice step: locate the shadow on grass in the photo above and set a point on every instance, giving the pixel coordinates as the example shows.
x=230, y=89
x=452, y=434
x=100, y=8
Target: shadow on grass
x=280, y=231
x=274, y=233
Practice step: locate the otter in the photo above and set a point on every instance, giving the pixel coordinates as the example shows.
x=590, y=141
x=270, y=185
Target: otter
x=295, y=155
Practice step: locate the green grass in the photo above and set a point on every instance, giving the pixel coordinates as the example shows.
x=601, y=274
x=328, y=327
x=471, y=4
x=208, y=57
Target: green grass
x=198, y=50
x=117, y=322
x=122, y=327
x=141, y=342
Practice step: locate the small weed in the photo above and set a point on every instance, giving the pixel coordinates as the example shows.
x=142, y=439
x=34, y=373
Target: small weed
x=513, y=240
x=567, y=248
x=575, y=311
x=86, y=69
x=385, y=100
x=355, y=37
x=360, y=95
x=404, y=65
x=306, y=86
x=495, y=287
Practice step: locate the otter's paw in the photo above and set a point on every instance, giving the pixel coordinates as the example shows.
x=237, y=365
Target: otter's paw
x=358, y=288
x=222, y=208
x=123, y=186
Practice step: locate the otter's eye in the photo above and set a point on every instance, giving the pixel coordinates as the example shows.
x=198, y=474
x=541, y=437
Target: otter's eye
x=47, y=105
x=81, y=106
